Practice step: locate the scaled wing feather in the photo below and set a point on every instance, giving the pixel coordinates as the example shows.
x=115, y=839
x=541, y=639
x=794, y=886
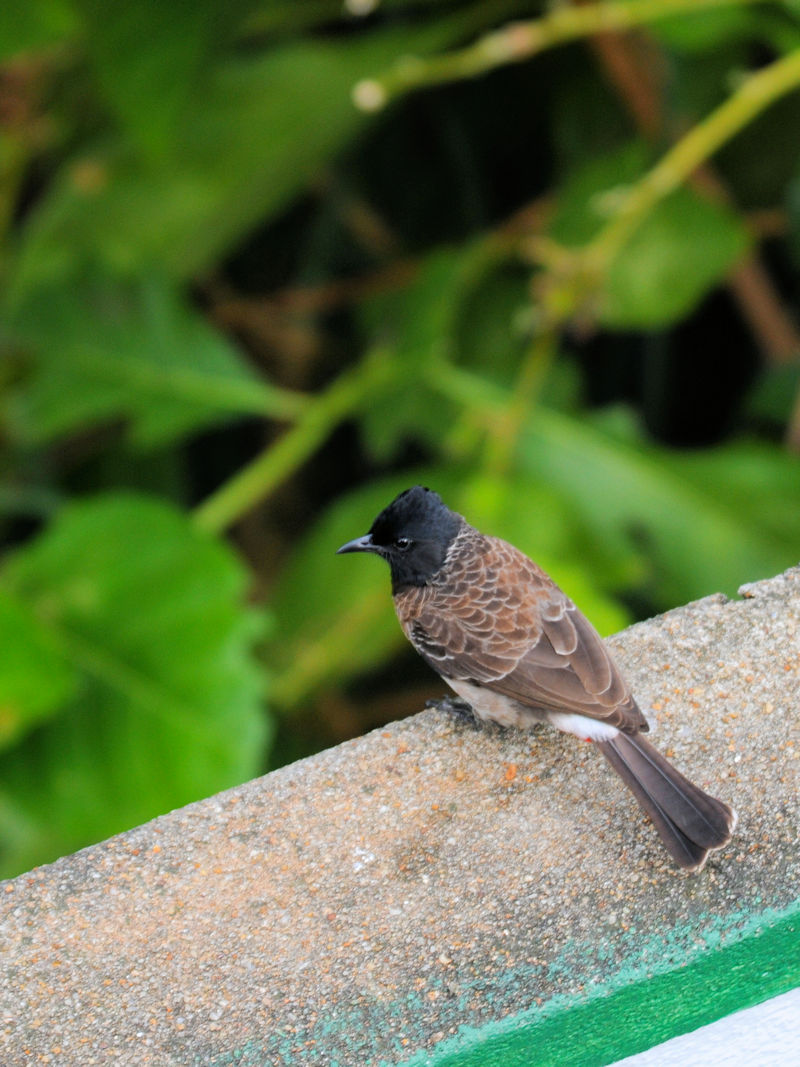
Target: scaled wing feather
x=503, y=623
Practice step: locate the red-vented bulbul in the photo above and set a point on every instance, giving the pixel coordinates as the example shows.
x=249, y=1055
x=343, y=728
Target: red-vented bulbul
x=510, y=643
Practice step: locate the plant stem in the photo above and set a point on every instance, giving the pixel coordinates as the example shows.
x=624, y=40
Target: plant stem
x=277, y=462
x=520, y=40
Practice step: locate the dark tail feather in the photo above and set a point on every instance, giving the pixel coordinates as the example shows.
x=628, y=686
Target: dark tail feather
x=690, y=822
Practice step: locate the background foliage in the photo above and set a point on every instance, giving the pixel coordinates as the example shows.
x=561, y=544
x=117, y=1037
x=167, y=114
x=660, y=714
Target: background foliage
x=264, y=264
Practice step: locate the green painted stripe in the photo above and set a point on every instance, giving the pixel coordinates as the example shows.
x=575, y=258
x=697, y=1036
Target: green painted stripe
x=762, y=962
x=658, y=987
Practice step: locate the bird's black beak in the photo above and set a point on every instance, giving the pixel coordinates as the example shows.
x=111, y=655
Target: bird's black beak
x=361, y=544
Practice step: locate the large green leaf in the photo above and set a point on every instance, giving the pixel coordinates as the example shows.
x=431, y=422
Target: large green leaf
x=127, y=350
x=35, y=676
x=707, y=522
x=148, y=613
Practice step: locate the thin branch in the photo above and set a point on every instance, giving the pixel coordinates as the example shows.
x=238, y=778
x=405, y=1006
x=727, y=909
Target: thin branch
x=520, y=41
x=277, y=462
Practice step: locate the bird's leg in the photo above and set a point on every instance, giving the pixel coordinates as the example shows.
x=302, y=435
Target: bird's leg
x=460, y=709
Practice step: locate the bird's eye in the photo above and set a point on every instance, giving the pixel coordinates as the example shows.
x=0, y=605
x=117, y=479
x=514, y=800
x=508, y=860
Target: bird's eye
x=403, y=543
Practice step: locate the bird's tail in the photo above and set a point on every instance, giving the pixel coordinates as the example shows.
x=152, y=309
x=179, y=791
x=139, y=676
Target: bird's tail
x=689, y=822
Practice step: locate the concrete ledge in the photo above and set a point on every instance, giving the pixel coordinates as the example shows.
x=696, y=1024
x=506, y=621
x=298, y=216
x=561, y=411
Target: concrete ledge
x=436, y=894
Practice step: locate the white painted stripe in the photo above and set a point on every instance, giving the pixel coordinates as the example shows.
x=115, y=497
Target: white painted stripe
x=767, y=1035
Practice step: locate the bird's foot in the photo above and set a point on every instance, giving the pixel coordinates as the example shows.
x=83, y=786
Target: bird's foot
x=460, y=709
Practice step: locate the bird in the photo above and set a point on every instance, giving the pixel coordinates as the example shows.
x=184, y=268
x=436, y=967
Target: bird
x=515, y=648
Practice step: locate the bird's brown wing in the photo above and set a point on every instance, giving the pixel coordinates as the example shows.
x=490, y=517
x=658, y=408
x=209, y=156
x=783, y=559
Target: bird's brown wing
x=497, y=619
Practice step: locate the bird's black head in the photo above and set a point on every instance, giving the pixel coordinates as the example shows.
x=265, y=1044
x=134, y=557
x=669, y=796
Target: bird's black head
x=412, y=534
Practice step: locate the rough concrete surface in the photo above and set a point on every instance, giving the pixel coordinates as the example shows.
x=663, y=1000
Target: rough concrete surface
x=364, y=904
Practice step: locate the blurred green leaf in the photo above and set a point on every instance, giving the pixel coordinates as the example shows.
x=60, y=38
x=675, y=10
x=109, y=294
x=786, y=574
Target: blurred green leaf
x=683, y=249
x=415, y=326
x=235, y=158
x=490, y=329
x=588, y=195
x=388, y=425
x=435, y=319
x=710, y=31
x=35, y=677
x=756, y=486
x=260, y=126
x=33, y=24
x=707, y=521
x=417, y=321
x=147, y=57
x=132, y=351
x=775, y=393
x=148, y=613
x=713, y=35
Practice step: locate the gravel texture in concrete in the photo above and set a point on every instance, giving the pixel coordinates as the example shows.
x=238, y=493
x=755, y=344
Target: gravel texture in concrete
x=363, y=905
